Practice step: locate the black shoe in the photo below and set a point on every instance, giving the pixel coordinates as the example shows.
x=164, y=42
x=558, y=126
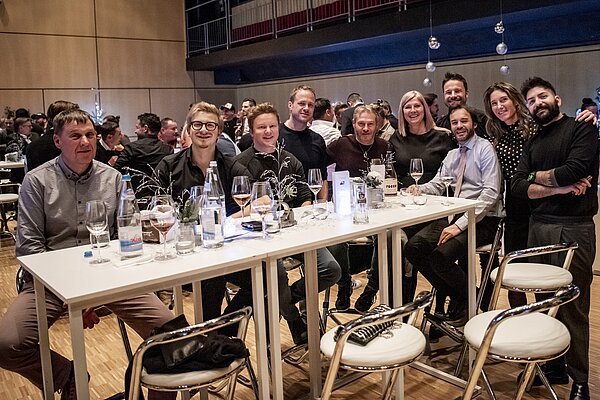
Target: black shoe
x=435, y=334
x=456, y=317
x=298, y=330
x=365, y=300
x=579, y=391
x=342, y=303
x=555, y=375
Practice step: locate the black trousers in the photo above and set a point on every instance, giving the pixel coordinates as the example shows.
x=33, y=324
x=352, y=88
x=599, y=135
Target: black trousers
x=438, y=263
x=576, y=314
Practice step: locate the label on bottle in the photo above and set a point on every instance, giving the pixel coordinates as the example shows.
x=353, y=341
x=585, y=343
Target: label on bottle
x=390, y=186
x=130, y=236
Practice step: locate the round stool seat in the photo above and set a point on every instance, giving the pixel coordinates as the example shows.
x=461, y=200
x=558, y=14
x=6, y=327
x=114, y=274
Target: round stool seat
x=534, y=335
x=406, y=344
x=534, y=276
x=9, y=198
x=194, y=378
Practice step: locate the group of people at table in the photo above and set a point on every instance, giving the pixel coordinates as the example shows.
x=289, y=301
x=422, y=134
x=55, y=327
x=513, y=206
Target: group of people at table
x=526, y=161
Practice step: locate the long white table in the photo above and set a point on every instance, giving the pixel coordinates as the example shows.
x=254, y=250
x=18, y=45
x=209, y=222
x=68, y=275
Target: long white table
x=308, y=237
x=81, y=285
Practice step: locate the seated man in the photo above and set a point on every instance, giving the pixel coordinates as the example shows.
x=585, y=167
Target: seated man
x=187, y=168
x=435, y=249
x=262, y=156
x=51, y=216
x=353, y=153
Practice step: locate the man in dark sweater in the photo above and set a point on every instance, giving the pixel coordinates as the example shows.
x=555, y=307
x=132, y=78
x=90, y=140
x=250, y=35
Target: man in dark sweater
x=254, y=161
x=558, y=173
x=306, y=145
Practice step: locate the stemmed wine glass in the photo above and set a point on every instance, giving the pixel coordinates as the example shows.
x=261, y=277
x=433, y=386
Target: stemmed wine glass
x=96, y=222
x=162, y=217
x=315, y=182
x=262, y=202
x=446, y=178
x=240, y=191
x=416, y=169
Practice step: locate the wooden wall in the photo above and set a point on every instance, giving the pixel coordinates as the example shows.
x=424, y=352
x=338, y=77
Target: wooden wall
x=575, y=72
x=132, y=50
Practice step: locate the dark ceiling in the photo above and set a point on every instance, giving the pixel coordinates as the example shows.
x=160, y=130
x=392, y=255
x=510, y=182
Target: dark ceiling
x=464, y=28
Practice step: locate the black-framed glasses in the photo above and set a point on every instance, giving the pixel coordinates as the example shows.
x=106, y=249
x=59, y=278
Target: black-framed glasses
x=198, y=125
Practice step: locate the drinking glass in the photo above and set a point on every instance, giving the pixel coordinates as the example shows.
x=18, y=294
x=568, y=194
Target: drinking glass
x=240, y=191
x=446, y=178
x=197, y=195
x=416, y=169
x=162, y=217
x=261, y=199
x=315, y=182
x=96, y=222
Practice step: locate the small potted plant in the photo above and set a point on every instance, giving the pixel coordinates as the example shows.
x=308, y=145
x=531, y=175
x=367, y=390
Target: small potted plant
x=374, y=182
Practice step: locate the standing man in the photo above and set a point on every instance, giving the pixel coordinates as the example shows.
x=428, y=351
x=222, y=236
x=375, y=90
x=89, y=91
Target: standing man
x=435, y=249
x=145, y=153
x=242, y=133
x=353, y=100
x=51, y=217
x=169, y=133
x=230, y=120
x=306, y=145
x=558, y=173
x=456, y=93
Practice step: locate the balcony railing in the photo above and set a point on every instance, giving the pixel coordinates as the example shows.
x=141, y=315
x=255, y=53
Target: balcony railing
x=215, y=25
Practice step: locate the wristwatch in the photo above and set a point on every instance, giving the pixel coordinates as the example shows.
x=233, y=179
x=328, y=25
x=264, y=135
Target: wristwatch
x=531, y=177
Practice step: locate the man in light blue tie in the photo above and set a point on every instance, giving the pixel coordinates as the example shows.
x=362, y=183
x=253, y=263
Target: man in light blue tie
x=435, y=249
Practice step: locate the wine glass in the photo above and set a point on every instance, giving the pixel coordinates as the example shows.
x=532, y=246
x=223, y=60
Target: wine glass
x=240, y=191
x=162, y=217
x=262, y=202
x=446, y=178
x=416, y=169
x=315, y=182
x=96, y=222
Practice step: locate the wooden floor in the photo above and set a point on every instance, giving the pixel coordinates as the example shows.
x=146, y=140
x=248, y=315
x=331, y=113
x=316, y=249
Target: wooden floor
x=107, y=360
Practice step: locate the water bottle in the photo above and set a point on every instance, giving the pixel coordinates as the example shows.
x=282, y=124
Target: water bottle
x=213, y=209
x=129, y=222
x=390, y=182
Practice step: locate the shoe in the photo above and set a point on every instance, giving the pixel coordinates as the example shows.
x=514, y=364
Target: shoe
x=579, y=391
x=342, y=303
x=456, y=317
x=435, y=334
x=298, y=330
x=555, y=375
x=365, y=300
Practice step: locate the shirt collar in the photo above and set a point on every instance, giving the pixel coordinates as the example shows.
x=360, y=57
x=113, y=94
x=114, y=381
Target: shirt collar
x=73, y=176
x=470, y=143
x=104, y=145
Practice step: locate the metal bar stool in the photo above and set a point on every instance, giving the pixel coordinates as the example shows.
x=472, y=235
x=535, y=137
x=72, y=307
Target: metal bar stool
x=390, y=352
x=523, y=334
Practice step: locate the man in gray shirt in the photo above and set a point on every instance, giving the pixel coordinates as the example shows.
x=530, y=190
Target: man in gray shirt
x=52, y=205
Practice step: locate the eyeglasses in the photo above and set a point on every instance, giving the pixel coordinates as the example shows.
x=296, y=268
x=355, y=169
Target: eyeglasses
x=198, y=125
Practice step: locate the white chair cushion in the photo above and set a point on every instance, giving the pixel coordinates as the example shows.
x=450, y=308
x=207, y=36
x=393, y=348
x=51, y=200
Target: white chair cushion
x=534, y=276
x=406, y=343
x=9, y=198
x=188, y=378
x=531, y=335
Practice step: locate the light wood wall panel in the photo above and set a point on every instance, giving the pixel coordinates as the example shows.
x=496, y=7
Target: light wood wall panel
x=141, y=19
x=142, y=64
x=84, y=97
x=173, y=103
x=128, y=103
x=55, y=17
x=33, y=100
x=38, y=61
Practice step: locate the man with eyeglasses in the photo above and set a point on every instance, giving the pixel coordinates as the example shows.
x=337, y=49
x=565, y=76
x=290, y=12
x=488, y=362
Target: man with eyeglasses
x=187, y=168
x=145, y=153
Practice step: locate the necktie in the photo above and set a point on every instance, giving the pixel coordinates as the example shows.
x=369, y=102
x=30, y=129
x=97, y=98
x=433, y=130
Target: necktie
x=460, y=173
x=462, y=163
